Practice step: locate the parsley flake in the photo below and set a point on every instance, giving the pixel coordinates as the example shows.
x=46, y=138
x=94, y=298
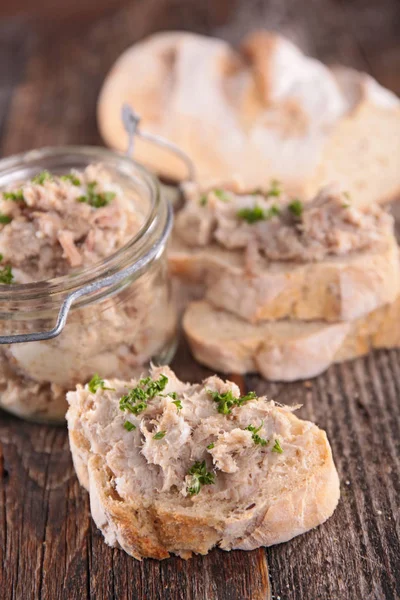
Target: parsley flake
x=135, y=401
x=348, y=203
x=275, y=189
x=96, y=200
x=6, y=275
x=72, y=179
x=258, y=192
x=129, y=426
x=159, y=435
x=257, y=213
x=227, y=400
x=199, y=476
x=254, y=434
x=17, y=196
x=296, y=208
x=5, y=219
x=251, y=215
x=40, y=178
x=277, y=447
x=203, y=200
x=178, y=404
x=210, y=446
x=221, y=195
x=96, y=383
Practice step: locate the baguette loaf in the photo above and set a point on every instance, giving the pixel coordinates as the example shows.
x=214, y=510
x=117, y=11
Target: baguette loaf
x=285, y=350
x=334, y=262
x=197, y=466
x=263, y=112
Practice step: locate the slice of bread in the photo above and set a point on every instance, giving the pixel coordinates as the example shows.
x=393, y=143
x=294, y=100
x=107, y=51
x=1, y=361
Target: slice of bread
x=197, y=466
x=285, y=350
x=339, y=288
x=262, y=111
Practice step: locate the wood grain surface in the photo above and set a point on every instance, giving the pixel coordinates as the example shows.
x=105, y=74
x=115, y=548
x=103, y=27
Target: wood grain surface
x=49, y=547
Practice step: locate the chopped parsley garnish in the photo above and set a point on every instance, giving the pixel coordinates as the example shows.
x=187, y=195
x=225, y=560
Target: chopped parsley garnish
x=254, y=434
x=129, y=426
x=96, y=383
x=199, y=476
x=135, y=401
x=221, y=195
x=40, y=178
x=277, y=447
x=210, y=446
x=178, y=404
x=275, y=189
x=5, y=219
x=6, y=275
x=346, y=204
x=96, y=200
x=17, y=196
x=274, y=211
x=71, y=178
x=227, y=400
x=203, y=200
x=251, y=215
x=173, y=395
x=258, y=192
x=257, y=213
x=159, y=435
x=296, y=208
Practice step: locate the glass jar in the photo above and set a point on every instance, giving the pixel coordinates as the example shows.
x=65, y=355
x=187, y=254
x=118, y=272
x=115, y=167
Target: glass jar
x=118, y=314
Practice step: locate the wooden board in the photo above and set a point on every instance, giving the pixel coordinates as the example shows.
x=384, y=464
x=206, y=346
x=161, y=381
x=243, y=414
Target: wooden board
x=49, y=547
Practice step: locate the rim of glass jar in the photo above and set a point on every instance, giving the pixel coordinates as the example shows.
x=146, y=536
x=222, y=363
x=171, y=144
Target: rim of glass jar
x=117, y=261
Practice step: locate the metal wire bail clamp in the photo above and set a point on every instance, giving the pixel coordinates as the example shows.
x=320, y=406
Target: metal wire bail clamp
x=131, y=120
x=131, y=124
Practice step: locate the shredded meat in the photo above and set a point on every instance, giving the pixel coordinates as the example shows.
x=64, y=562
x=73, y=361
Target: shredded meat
x=52, y=231
x=327, y=226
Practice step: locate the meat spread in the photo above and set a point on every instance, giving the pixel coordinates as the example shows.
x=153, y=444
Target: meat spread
x=282, y=228
x=51, y=227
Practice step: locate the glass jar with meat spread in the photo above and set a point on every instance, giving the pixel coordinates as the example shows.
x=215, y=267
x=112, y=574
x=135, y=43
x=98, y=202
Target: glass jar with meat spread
x=84, y=287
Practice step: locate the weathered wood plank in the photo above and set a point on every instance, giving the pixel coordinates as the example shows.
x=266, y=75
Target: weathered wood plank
x=49, y=547
x=355, y=554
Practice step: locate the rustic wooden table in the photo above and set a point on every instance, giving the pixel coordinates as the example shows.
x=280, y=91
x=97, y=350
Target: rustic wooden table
x=49, y=547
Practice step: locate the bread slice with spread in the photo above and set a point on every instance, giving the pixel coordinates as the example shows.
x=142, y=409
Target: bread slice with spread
x=263, y=255
x=179, y=468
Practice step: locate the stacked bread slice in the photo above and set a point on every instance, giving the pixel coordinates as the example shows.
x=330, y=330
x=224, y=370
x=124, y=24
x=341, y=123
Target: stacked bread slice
x=289, y=287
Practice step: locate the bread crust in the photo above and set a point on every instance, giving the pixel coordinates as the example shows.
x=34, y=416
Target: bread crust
x=339, y=289
x=293, y=513
x=285, y=350
x=299, y=510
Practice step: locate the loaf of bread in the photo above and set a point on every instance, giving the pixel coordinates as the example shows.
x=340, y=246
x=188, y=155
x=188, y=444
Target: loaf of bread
x=285, y=350
x=263, y=256
x=263, y=111
x=173, y=467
